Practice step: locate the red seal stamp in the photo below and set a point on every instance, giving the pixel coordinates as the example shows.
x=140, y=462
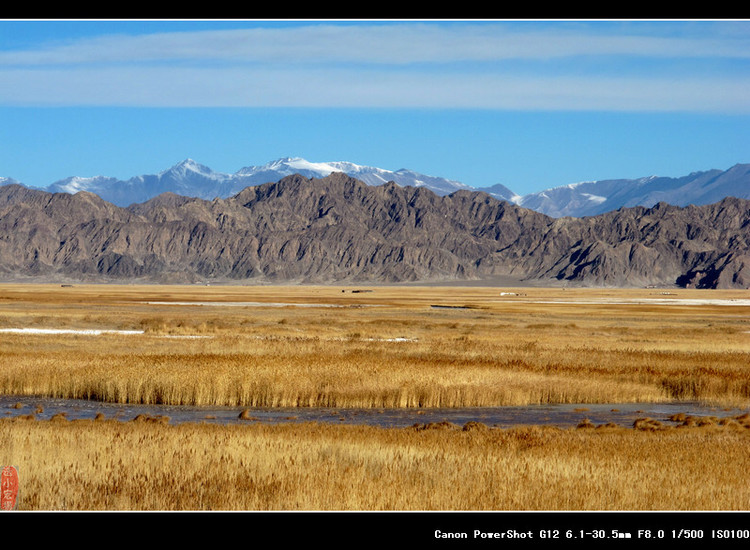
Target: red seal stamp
x=8, y=488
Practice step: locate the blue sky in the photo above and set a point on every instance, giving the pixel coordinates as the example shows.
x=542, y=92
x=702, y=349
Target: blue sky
x=529, y=104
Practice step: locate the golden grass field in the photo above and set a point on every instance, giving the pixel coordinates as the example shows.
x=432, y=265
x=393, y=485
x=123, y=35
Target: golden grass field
x=387, y=347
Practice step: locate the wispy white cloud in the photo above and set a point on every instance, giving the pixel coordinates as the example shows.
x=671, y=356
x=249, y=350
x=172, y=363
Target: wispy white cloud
x=462, y=65
x=391, y=44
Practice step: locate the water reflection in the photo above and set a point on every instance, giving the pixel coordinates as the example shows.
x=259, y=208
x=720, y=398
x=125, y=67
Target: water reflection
x=564, y=416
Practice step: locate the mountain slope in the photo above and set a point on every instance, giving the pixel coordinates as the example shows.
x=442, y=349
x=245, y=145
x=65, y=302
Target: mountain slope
x=598, y=197
x=192, y=179
x=189, y=178
x=339, y=229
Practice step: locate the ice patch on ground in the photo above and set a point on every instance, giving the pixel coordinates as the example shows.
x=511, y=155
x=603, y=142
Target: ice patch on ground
x=87, y=332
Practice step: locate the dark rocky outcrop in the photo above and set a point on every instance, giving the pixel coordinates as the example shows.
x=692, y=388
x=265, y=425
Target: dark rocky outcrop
x=338, y=229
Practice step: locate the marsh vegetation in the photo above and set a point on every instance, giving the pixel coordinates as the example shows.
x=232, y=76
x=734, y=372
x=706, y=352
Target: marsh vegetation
x=145, y=464
x=388, y=348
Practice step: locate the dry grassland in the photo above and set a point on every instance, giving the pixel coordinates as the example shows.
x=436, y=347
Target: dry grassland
x=385, y=348
x=110, y=465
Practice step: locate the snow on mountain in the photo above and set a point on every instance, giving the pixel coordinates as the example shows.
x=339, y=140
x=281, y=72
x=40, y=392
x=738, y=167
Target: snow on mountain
x=368, y=174
x=594, y=198
x=288, y=166
x=74, y=184
x=189, y=167
x=192, y=179
x=587, y=198
x=500, y=192
x=590, y=198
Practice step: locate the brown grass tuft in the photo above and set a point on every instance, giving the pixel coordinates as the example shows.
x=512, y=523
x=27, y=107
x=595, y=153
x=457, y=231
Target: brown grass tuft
x=648, y=424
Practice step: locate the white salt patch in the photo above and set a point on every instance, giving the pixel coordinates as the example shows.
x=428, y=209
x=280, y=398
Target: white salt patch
x=87, y=332
x=90, y=332
x=243, y=304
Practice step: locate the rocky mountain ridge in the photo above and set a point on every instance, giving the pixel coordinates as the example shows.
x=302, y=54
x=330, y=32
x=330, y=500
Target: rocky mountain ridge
x=192, y=179
x=597, y=197
x=337, y=229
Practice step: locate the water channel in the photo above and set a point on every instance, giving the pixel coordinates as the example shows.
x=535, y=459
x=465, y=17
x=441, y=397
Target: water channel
x=564, y=416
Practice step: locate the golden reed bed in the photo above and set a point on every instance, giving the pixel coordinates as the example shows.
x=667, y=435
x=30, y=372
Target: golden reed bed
x=386, y=347
x=391, y=347
x=142, y=465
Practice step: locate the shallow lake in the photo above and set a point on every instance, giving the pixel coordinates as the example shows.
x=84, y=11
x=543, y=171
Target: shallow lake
x=565, y=416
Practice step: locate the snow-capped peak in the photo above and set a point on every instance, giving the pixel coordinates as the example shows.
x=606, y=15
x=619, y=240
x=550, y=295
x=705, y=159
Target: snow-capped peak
x=370, y=175
x=291, y=165
x=74, y=184
x=188, y=166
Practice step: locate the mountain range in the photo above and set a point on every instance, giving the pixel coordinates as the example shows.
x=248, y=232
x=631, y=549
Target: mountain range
x=192, y=179
x=340, y=229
